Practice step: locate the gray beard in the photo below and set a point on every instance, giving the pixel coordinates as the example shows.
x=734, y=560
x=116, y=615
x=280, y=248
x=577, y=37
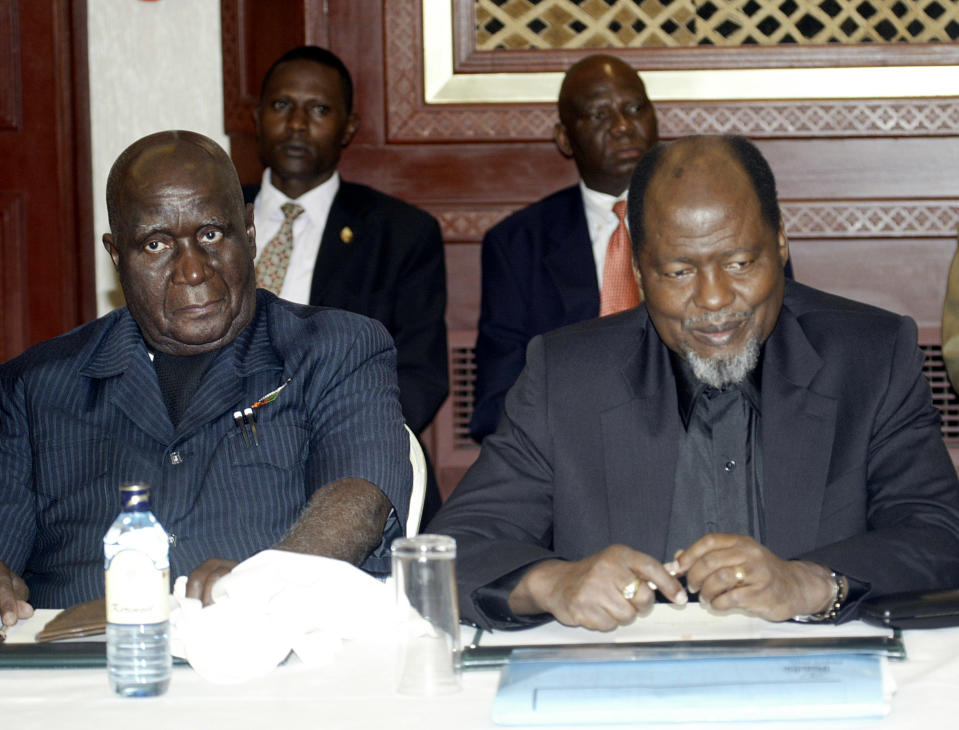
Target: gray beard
x=722, y=371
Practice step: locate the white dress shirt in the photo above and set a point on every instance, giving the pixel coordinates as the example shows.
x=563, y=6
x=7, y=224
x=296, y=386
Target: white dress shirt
x=307, y=230
x=601, y=221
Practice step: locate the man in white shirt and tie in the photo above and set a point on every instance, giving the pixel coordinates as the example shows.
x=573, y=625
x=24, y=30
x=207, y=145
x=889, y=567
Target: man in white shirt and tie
x=546, y=265
x=330, y=242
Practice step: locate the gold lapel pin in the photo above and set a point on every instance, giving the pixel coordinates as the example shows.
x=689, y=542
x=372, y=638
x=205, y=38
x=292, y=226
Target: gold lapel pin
x=346, y=234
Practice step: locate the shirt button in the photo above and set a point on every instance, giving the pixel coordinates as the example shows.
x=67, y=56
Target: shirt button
x=171, y=538
x=729, y=465
x=175, y=458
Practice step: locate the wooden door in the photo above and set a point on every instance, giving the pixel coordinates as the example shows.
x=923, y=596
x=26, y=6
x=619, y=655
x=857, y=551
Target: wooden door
x=46, y=260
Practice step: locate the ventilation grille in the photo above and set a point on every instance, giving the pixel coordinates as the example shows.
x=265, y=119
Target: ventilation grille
x=943, y=395
x=463, y=369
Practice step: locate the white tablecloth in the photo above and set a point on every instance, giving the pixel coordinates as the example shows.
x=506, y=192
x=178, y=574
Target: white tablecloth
x=358, y=692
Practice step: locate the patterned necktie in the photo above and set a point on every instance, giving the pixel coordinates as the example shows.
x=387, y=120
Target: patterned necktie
x=619, y=286
x=273, y=263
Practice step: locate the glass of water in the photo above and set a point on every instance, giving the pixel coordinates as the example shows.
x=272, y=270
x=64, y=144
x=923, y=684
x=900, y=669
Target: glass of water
x=429, y=636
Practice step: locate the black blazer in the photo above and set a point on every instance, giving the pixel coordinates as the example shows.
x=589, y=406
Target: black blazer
x=855, y=476
x=538, y=274
x=383, y=258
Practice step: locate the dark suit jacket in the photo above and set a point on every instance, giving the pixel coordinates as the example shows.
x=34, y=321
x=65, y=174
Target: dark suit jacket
x=856, y=475
x=83, y=413
x=392, y=270
x=538, y=274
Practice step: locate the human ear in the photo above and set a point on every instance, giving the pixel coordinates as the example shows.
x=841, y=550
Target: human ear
x=561, y=138
x=111, y=249
x=250, y=230
x=639, y=282
x=783, y=243
x=352, y=124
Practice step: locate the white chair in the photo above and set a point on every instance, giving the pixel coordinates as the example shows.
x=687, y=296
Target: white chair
x=418, y=495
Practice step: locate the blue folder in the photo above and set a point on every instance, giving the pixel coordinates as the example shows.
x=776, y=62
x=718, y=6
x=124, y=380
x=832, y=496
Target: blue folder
x=691, y=690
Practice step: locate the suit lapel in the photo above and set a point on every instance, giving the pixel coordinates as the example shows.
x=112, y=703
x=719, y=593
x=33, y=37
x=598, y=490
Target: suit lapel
x=569, y=258
x=224, y=385
x=129, y=381
x=640, y=448
x=347, y=220
x=798, y=432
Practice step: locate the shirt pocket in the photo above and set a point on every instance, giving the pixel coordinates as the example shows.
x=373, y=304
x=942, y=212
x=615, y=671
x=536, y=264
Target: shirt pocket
x=277, y=447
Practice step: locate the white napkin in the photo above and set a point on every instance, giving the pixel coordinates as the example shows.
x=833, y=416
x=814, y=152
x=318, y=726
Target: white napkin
x=274, y=602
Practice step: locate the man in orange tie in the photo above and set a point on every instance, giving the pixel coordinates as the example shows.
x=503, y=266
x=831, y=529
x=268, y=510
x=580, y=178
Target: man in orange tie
x=565, y=258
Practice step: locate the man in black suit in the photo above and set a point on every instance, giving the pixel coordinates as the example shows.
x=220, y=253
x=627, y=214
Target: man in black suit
x=774, y=445
x=353, y=247
x=542, y=266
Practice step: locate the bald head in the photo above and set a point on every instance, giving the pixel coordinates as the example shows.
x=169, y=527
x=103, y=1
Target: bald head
x=696, y=161
x=138, y=164
x=606, y=121
x=583, y=75
x=182, y=242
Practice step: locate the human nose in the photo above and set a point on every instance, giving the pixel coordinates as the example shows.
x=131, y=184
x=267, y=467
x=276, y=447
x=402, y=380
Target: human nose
x=297, y=118
x=713, y=290
x=619, y=125
x=192, y=266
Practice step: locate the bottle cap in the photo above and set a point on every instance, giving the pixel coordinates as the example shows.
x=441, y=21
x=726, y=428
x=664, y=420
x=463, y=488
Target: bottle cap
x=135, y=497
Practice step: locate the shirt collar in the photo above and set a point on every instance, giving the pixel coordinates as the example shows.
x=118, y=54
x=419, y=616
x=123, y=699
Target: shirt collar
x=689, y=387
x=320, y=196
x=600, y=203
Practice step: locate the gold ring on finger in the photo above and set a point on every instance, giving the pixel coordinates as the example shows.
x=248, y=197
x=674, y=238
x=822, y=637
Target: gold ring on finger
x=739, y=572
x=629, y=590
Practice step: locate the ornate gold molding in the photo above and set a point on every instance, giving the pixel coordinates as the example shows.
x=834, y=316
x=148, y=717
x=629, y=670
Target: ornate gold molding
x=419, y=68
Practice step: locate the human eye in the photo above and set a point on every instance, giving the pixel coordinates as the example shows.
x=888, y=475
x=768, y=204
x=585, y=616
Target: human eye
x=677, y=273
x=154, y=245
x=740, y=264
x=279, y=105
x=319, y=110
x=211, y=236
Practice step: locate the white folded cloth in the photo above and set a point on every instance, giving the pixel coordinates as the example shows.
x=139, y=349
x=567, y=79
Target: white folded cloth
x=272, y=603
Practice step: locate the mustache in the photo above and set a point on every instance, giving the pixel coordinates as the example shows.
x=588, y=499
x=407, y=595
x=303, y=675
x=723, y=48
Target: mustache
x=722, y=317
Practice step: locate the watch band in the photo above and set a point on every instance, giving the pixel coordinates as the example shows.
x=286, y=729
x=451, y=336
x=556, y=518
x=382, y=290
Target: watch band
x=839, y=591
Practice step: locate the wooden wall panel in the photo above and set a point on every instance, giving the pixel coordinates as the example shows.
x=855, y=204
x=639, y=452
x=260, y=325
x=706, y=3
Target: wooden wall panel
x=45, y=205
x=13, y=278
x=868, y=186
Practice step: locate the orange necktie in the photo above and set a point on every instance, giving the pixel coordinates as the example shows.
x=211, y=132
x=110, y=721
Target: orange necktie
x=619, y=286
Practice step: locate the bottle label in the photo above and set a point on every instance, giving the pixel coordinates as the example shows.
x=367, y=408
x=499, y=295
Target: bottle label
x=137, y=591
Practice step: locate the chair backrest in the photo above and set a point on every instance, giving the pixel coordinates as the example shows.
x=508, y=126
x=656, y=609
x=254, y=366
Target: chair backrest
x=418, y=495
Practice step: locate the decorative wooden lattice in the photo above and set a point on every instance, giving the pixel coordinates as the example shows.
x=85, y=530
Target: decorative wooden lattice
x=559, y=24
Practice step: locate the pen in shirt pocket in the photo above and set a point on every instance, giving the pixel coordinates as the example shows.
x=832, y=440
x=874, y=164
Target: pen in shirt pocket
x=245, y=419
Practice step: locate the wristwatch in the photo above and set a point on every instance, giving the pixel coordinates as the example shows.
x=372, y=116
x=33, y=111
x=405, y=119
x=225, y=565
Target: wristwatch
x=840, y=590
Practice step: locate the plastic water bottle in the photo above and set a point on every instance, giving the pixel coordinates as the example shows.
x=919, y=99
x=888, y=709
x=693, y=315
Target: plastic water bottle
x=136, y=552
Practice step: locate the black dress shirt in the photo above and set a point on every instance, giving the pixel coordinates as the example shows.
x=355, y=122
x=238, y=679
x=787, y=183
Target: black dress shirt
x=718, y=483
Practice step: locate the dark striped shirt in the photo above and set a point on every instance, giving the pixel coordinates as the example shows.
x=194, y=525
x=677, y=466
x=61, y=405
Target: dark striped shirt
x=83, y=413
